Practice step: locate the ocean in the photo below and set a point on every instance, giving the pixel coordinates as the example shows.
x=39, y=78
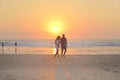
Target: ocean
x=75, y=47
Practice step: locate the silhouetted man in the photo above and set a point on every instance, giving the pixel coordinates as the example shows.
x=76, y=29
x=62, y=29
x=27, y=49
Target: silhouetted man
x=63, y=45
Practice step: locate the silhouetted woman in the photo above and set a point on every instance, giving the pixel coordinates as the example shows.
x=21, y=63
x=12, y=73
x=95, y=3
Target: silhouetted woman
x=57, y=45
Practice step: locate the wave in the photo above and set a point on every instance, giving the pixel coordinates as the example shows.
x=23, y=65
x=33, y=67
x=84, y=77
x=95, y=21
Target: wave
x=50, y=43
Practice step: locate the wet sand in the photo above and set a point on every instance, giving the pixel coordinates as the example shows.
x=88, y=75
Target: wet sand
x=47, y=67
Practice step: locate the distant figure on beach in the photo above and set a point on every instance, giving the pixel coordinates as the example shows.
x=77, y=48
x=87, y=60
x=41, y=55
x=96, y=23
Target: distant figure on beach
x=57, y=45
x=63, y=45
x=15, y=43
x=15, y=47
x=2, y=47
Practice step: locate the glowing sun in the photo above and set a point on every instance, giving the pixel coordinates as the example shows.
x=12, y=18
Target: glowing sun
x=55, y=27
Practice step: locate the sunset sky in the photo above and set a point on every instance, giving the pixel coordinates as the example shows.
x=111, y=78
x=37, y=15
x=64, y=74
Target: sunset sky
x=45, y=19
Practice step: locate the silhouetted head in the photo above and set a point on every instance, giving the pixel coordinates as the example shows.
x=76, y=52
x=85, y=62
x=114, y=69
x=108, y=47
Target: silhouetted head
x=58, y=37
x=63, y=35
x=15, y=43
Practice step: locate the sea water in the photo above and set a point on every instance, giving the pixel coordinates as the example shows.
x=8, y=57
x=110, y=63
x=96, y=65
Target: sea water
x=75, y=47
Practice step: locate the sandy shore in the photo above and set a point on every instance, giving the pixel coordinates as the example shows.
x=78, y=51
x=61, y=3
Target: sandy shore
x=47, y=67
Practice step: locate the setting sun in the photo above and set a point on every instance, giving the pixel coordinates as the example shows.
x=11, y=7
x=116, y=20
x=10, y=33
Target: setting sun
x=55, y=27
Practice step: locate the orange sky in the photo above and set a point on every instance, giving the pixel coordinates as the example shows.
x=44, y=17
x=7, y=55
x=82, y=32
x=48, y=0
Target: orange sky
x=78, y=19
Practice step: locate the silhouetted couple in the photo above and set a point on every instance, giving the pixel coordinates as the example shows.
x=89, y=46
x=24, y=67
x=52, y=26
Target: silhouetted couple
x=61, y=42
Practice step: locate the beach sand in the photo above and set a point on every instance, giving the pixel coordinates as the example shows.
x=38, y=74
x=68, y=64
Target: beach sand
x=47, y=67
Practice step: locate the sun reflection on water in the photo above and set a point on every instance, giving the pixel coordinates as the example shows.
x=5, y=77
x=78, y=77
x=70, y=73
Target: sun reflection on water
x=54, y=50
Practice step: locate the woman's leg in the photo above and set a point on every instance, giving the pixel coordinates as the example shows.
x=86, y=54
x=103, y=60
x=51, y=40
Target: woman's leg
x=56, y=54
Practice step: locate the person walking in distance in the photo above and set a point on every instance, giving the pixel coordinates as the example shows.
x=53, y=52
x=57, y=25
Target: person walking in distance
x=57, y=45
x=15, y=47
x=2, y=47
x=63, y=45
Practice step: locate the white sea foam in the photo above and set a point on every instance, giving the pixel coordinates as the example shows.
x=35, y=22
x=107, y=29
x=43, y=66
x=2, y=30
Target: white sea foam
x=74, y=46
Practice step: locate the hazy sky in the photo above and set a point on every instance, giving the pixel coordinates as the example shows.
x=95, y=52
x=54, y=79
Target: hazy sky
x=79, y=19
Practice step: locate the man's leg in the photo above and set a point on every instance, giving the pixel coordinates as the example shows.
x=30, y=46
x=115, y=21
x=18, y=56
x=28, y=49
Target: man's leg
x=65, y=49
x=61, y=51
